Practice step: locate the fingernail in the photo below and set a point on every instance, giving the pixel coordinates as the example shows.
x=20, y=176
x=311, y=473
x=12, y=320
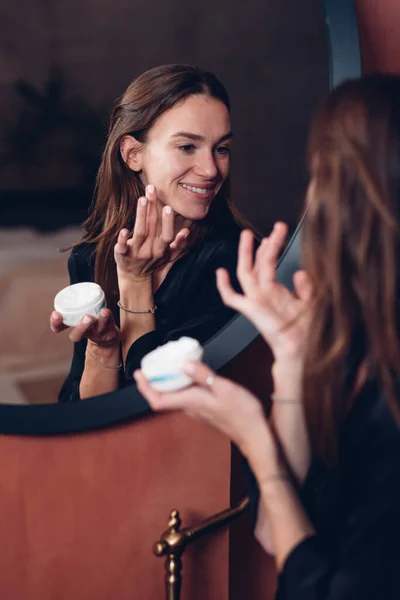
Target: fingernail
x=186, y=235
x=150, y=189
x=135, y=374
x=102, y=316
x=190, y=368
x=125, y=233
x=168, y=210
x=56, y=317
x=143, y=201
x=86, y=320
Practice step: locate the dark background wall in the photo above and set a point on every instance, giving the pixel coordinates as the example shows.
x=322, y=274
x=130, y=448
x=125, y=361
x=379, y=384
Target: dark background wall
x=64, y=63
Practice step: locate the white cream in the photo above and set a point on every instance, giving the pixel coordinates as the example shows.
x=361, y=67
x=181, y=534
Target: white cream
x=78, y=300
x=163, y=367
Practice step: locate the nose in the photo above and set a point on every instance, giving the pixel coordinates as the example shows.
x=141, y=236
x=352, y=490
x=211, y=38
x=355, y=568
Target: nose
x=206, y=166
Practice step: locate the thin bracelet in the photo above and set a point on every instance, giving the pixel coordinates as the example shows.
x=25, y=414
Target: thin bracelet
x=138, y=312
x=275, y=477
x=280, y=400
x=102, y=364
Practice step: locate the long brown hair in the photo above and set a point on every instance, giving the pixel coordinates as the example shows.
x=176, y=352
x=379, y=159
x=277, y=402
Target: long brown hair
x=351, y=252
x=118, y=188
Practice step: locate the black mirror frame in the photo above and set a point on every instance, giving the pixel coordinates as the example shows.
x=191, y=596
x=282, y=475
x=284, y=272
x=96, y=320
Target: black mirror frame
x=126, y=404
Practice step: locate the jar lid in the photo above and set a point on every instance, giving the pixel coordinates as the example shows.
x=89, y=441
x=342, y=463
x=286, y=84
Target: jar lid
x=78, y=296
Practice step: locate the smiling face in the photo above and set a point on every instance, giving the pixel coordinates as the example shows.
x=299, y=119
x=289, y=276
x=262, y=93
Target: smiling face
x=186, y=155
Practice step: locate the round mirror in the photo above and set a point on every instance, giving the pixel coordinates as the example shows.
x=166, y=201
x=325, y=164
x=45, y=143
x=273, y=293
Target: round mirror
x=277, y=60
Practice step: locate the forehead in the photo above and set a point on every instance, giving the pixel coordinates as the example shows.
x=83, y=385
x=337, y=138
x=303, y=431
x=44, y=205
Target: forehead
x=198, y=114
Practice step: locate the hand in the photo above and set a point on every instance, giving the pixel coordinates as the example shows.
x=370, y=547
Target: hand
x=282, y=318
x=101, y=331
x=227, y=406
x=137, y=256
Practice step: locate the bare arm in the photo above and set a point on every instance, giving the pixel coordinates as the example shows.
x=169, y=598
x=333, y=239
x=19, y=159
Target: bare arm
x=100, y=374
x=137, y=296
x=287, y=416
x=239, y=415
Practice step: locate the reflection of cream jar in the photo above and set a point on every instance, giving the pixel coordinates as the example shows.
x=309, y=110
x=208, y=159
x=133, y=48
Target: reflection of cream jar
x=78, y=300
x=163, y=367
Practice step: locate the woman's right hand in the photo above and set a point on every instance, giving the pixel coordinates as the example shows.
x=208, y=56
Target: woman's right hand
x=101, y=331
x=137, y=256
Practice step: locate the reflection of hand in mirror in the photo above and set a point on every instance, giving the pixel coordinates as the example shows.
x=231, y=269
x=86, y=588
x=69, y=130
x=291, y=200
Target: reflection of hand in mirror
x=153, y=239
x=101, y=331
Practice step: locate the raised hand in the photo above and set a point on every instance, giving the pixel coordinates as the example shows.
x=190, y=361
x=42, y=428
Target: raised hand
x=137, y=256
x=101, y=331
x=282, y=318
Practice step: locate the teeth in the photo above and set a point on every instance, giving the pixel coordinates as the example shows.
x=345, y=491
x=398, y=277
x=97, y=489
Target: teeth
x=194, y=189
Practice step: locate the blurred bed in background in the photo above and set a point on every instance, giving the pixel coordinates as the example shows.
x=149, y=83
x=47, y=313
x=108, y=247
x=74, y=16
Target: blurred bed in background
x=33, y=361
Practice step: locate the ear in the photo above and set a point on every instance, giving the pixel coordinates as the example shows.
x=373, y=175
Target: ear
x=131, y=152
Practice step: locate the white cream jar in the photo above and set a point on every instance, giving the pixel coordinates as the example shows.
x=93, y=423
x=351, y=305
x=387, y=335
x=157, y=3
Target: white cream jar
x=163, y=367
x=78, y=300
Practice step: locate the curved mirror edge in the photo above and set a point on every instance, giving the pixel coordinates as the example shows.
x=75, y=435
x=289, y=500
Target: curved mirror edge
x=126, y=404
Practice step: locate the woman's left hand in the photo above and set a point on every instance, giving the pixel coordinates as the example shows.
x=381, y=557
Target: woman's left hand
x=282, y=317
x=227, y=406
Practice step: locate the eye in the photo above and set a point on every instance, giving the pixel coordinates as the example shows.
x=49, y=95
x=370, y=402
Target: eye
x=223, y=150
x=188, y=148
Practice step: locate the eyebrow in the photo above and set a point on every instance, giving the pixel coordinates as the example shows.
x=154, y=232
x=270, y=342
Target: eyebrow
x=200, y=138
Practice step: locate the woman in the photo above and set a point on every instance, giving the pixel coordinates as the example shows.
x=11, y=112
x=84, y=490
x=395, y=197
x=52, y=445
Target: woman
x=327, y=463
x=162, y=222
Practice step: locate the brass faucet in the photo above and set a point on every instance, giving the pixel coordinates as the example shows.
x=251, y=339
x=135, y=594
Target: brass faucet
x=173, y=542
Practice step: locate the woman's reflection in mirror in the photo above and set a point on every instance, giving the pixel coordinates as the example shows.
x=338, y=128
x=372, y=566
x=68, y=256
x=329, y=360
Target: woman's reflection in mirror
x=161, y=223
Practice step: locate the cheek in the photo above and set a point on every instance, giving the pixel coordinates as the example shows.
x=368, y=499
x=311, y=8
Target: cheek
x=169, y=166
x=224, y=167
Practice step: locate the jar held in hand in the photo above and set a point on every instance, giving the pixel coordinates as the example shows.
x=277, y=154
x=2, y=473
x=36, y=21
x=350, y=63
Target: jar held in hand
x=78, y=300
x=163, y=367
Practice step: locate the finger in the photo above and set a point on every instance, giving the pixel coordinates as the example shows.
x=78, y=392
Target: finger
x=229, y=296
x=205, y=377
x=245, y=262
x=104, y=321
x=144, y=387
x=121, y=246
x=258, y=257
x=167, y=225
x=181, y=240
x=56, y=322
x=156, y=400
x=139, y=230
x=302, y=286
x=269, y=251
x=188, y=399
x=151, y=224
x=80, y=331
